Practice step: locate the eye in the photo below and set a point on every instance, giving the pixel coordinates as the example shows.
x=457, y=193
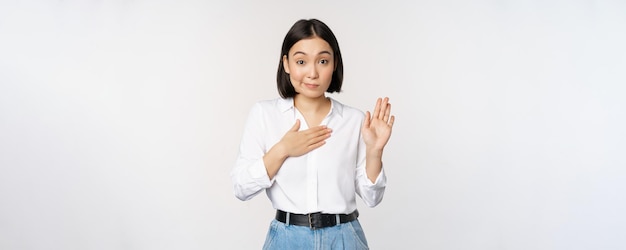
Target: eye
x=323, y=61
x=300, y=62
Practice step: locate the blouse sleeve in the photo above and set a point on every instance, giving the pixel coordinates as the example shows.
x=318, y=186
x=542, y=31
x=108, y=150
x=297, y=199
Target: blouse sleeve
x=249, y=174
x=370, y=193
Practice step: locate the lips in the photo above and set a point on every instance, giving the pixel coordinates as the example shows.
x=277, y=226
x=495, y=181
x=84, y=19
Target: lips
x=311, y=86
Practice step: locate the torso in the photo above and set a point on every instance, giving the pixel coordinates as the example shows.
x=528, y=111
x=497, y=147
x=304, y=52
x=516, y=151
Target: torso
x=314, y=117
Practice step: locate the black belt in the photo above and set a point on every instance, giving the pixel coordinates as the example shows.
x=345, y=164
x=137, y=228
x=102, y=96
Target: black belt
x=315, y=220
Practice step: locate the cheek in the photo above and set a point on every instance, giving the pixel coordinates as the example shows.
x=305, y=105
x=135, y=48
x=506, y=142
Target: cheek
x=327, y=73
x=296, y=76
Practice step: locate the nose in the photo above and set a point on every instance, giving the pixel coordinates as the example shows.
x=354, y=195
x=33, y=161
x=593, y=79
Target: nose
x=313, y=74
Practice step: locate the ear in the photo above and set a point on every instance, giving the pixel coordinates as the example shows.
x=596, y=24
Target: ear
x=285, y=64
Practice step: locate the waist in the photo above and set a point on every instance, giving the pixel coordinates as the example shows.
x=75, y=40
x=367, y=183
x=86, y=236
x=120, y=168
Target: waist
x=315, y=220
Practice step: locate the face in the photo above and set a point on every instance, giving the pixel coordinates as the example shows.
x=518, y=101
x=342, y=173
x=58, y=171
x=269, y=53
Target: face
x=310, y=65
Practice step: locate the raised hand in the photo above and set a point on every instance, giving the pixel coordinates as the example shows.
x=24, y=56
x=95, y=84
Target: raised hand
x=297, y=143
x=377, y=127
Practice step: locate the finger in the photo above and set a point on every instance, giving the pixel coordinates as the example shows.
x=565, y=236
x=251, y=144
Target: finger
x=319, y=137
x=376, y=109
x=392, y=120
x=387, y=112
x=366, y=122
x=316, y=145
x=296, y=126
x=317, y=129
x=383, y=108
x=320, y=132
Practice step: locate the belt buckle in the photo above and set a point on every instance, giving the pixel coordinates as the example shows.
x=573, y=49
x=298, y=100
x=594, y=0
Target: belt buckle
x=313, y=220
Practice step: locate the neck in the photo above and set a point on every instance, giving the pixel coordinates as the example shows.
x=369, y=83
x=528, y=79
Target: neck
x=305, y=104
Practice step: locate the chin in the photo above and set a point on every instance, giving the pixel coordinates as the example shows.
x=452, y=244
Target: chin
x=311, y=95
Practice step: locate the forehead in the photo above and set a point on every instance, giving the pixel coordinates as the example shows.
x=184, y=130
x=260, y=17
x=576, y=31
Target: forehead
x=311, y=46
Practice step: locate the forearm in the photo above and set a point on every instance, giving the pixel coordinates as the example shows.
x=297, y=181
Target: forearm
x=251, y=175
x=274, y=159
x=371, y=181
x=373, y=163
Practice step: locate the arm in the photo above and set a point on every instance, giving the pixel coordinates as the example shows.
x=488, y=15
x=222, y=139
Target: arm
x=376, y=132
x=248, y=175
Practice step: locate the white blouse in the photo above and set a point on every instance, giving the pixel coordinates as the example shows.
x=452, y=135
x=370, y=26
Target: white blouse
x=323, y=180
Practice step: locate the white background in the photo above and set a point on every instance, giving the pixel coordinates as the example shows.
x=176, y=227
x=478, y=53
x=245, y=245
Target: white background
x=120, y=120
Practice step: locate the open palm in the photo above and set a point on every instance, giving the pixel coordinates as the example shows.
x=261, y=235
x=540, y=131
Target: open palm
x=377, y=127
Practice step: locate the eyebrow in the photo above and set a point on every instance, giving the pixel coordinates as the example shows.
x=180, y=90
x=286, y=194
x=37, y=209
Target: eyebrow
x=322, y=52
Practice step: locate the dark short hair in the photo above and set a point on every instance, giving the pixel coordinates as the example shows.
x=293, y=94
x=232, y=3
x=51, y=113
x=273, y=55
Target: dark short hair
x=304, y=29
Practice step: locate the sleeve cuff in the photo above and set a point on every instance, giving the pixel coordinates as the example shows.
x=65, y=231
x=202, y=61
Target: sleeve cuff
x=258, y=173
x=381, y=180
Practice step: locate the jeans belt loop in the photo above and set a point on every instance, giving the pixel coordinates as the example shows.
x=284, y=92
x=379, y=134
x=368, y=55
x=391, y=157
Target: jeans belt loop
x=287, y=216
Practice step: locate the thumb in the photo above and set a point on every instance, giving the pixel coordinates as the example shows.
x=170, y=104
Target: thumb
x=295, y=126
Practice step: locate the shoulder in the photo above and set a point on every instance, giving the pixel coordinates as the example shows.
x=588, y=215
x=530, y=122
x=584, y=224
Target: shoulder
x=267, y=103
x=272, y=105
x=348, y=111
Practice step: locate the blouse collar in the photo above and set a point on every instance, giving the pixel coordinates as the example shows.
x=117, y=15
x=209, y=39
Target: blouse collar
x=286, y=104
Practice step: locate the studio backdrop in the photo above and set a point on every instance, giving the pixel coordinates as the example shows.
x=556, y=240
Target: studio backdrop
x=120, y=120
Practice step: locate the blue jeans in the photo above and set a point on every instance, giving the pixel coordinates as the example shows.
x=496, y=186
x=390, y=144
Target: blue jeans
x=347, y=235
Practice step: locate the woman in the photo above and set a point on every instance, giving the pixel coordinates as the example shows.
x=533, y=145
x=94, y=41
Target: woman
x=310, y=153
